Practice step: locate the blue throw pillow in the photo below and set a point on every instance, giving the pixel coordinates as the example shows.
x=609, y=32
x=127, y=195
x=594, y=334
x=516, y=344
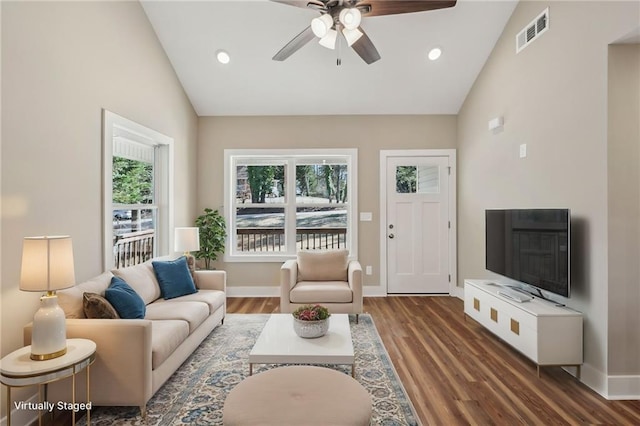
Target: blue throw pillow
x=124, y=299
x=174, y=278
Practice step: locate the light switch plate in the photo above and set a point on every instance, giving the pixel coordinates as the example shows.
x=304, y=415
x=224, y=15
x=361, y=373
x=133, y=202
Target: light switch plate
x=366, y=216
x=368, y=270
x=523, y=150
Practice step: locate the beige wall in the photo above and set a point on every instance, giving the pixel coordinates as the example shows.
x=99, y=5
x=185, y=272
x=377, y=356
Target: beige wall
x=369, y=134
x=62, y=62
x=624, y=208
x=553, y=96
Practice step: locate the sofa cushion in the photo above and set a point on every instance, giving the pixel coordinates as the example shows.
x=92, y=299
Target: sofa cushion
x=124, y=298
x=142, y=279
x=97, y=307
x=193, y=312
x=213, y=298
x=70, y=299
x=329, y=265
x=174, y=278
x=324, y=292
x=166, y=337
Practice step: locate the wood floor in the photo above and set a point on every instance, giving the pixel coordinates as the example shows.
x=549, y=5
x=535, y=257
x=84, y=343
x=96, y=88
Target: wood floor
x=457, y=373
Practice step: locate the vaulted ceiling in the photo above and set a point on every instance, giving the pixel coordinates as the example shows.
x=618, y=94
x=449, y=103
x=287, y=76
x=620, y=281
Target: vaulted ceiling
x=403, y=81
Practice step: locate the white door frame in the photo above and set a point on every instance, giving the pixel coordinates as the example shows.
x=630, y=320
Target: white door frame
x=453, y=261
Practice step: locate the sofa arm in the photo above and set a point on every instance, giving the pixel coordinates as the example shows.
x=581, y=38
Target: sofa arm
x=121, y=373
x=355, y=282
x=211, y=280
x=288, y=280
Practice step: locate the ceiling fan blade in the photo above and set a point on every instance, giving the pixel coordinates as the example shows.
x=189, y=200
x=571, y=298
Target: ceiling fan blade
x=394, y=7
x=302, y=3
x=292, y=47
x=365, y=49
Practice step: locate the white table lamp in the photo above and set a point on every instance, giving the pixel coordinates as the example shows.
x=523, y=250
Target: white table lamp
x=47, y=266
x=187, y=239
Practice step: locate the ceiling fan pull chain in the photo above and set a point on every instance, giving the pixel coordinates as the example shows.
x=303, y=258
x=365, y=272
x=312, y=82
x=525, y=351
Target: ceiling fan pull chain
x=339, y=49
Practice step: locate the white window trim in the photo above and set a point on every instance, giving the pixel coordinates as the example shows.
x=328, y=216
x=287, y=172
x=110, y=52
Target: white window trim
x=114, y=125
x=290, y=220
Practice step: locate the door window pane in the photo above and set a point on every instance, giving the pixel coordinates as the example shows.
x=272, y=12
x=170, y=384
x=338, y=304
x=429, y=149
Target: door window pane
x=417, y=179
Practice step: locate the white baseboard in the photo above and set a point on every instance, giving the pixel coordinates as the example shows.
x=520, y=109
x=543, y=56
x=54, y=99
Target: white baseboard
x=23, y=417
x=272, y=291
x=611, y=387
x=623, y=387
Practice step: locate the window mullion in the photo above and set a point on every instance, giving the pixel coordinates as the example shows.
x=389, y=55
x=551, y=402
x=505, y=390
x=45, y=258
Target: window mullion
x=290, y=209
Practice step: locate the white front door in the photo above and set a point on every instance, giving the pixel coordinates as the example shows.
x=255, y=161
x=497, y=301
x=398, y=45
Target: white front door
x=417, y=228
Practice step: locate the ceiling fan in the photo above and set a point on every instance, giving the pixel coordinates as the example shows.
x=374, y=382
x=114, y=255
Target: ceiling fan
x=344, y=17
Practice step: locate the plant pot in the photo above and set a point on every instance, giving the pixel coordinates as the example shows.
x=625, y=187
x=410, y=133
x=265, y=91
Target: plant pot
x=310, y=329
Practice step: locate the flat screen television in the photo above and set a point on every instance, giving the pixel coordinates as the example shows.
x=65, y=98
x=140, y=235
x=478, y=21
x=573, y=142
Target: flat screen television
x=530, y=246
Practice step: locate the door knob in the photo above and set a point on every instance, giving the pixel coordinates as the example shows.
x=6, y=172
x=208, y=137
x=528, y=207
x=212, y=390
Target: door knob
x=391, y=236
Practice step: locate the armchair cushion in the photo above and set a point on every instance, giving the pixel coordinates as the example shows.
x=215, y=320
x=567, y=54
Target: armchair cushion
x=321, y=292
x=330, y=265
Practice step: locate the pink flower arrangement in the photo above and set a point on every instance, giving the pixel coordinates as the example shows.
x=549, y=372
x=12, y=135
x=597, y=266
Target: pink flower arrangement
x=311, y=313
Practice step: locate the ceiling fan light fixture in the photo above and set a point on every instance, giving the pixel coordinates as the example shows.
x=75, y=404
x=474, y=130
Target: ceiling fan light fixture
x=321, y=25
x=329, y=41
x=351, y=35
x=350, y=18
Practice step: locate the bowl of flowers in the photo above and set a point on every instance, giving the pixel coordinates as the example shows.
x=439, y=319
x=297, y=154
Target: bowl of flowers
x=311, y=321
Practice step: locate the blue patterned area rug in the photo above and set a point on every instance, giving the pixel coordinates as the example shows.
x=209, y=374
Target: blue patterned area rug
x=195, y=394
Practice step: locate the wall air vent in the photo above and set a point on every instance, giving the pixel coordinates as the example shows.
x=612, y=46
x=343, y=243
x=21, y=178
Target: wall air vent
x=533, y=30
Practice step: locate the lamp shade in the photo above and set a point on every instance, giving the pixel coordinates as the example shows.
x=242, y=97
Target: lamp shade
x=350, y=18
x=321, y=25
x=329, y=41
x=187, y=239
x=351, y=35
x=47, y=263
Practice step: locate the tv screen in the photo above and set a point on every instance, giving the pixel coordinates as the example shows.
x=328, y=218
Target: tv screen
x=530, y=246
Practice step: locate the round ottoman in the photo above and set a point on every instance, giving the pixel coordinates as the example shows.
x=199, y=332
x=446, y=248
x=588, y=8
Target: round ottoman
x=298, y=395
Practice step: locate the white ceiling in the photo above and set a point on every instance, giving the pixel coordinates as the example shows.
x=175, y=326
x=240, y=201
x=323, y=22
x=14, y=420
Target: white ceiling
x=404, y=81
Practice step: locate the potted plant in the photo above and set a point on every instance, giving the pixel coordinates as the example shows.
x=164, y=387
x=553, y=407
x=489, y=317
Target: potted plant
x=213, y=232
x=311, y=321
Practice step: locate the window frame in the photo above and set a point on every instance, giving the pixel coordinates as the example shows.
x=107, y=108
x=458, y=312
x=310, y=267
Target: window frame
x=289, y=157
x=115, y=125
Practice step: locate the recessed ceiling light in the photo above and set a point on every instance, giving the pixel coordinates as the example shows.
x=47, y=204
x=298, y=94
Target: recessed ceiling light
x=435, y=53
x=223, y=57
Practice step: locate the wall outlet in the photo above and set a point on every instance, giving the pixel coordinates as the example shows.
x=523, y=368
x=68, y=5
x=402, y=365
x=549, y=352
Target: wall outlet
x=523, y=150
x=368, y=270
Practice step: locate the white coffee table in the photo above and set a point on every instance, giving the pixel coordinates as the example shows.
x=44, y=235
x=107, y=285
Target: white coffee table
x=279, y=344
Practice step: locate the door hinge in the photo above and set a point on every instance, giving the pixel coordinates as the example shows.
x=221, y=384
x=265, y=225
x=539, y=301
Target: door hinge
x=449, y=277
x=449, y=169
x=449, y=224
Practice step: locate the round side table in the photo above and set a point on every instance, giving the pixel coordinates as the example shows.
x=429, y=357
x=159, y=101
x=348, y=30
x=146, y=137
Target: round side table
x=18, y=370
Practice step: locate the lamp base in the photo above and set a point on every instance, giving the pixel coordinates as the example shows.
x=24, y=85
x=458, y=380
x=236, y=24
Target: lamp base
x=45, y=357
x=49, y=337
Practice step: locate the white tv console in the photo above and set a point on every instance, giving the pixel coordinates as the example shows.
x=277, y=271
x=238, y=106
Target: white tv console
x=542, y=331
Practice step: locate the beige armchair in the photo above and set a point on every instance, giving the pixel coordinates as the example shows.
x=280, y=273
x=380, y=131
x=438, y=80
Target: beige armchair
x=322, y=277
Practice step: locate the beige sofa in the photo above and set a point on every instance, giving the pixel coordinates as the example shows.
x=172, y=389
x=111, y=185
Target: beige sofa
x=135, y=357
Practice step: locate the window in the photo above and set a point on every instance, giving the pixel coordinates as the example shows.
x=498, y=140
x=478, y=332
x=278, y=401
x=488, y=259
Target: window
x=283, y=201
x=137, y=192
